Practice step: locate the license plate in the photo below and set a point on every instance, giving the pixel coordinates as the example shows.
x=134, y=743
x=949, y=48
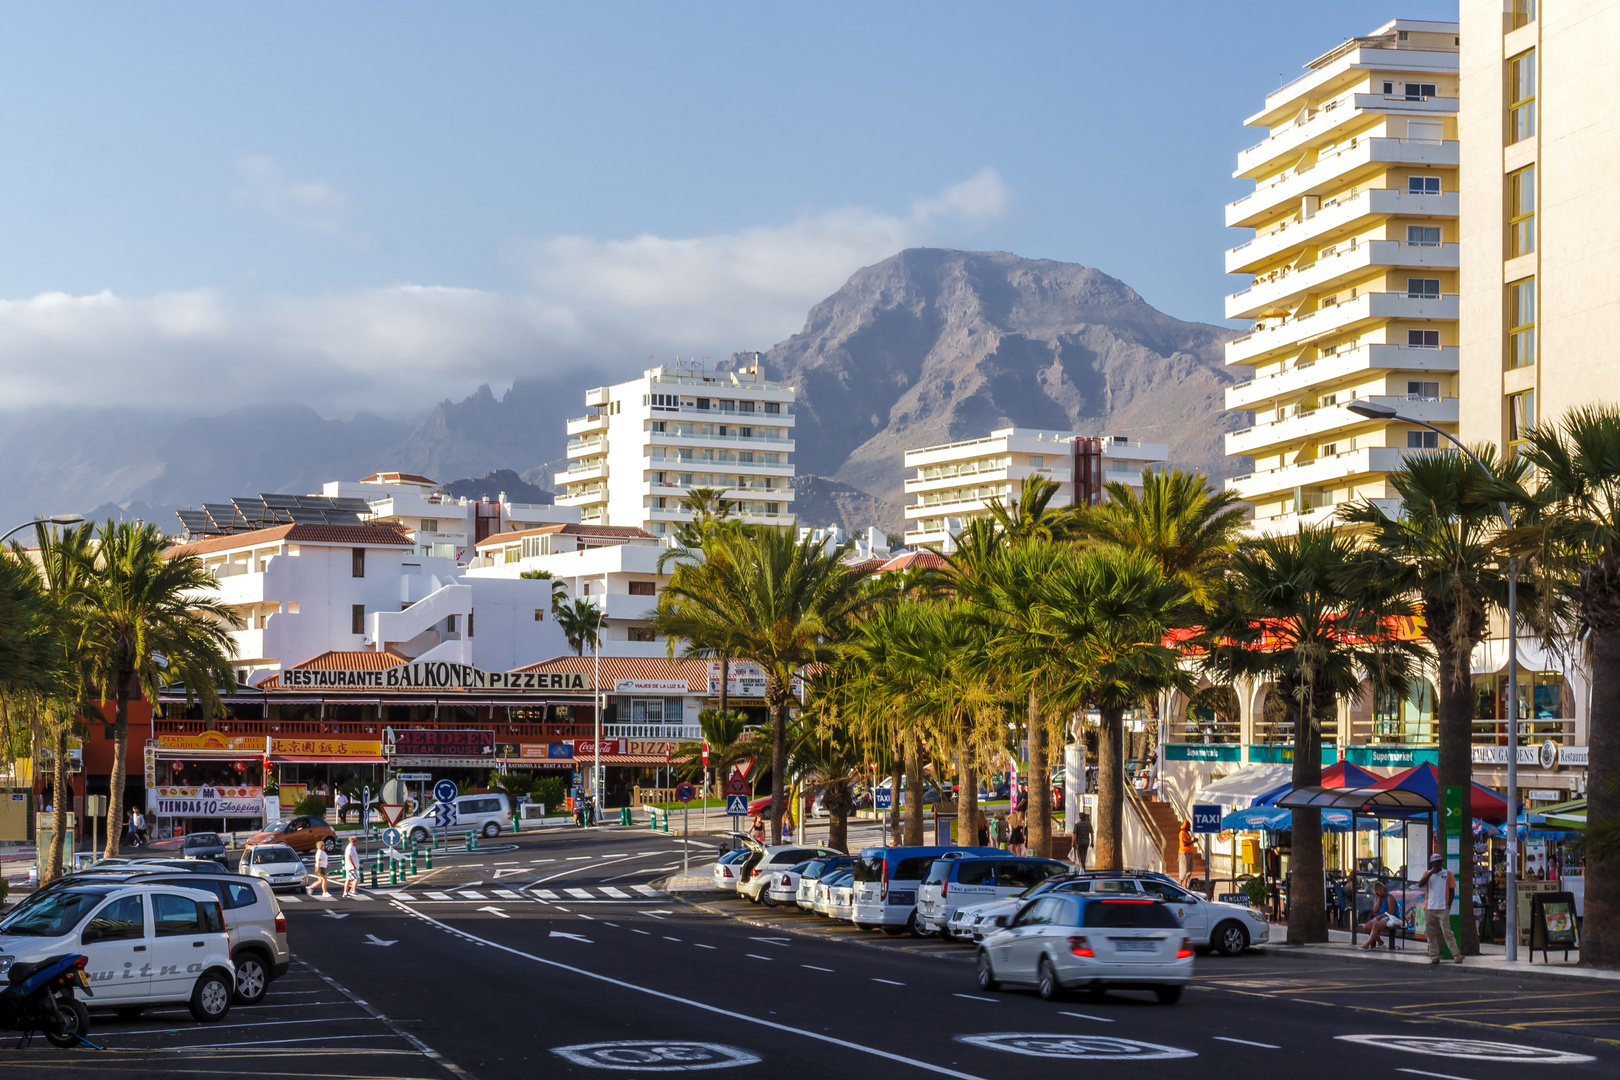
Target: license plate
x=1135, y=945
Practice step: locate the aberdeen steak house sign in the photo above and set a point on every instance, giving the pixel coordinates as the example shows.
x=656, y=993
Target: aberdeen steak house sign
x=431, y=675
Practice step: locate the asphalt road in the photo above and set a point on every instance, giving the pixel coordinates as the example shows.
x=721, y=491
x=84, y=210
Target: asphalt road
x=557, y=955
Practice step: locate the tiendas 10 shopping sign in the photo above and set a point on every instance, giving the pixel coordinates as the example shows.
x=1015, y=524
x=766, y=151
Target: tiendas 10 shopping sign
x=208, y=802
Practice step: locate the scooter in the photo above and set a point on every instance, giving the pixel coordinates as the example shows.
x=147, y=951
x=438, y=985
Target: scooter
x=39, y=997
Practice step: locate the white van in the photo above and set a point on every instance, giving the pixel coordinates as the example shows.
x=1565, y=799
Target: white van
x=483, y=814
x=147, y=944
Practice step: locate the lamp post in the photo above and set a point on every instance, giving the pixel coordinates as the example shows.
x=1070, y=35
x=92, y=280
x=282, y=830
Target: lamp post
x=1375, y=411
x=54, y=519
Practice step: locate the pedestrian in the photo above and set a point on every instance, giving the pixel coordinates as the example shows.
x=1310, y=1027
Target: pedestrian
x=758, y=828
x=1440, y=886
x=351, y=869
x=1082, y=839
x=131, y=837
x=1188, y=850
x=1383, y=916
x=1019, y=836
x=998, y=830
x=341, y=802
x=322, y=862
x=787, y=825
x=140, y=829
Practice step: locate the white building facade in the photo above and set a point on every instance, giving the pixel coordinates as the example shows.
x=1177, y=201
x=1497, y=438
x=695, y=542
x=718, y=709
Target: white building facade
x=444, y=526
x=957, y=481
x=646, y=443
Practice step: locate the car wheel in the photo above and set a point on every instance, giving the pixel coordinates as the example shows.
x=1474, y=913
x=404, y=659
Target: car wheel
x=767, y=899
x=211, y=997
x=252, y=978
x=129, y=1012
x=987, y=974
x=1046, y=981
x=491, y=828
x=1167, y=995
x=1230, y=938
x=330, y=844
x=420, y=835
x=917, y=928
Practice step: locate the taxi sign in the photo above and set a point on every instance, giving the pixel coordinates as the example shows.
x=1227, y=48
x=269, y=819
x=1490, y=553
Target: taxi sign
x=1207, y=819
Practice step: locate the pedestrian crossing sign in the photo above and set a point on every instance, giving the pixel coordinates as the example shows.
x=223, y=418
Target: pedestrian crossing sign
x=737, y=805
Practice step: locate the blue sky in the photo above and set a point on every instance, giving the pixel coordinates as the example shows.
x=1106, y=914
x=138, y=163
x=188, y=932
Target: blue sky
x=380, y=205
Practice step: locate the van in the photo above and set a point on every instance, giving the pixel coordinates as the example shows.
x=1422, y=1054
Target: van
x=886, y=880
x=483, y=814
x=956, y=883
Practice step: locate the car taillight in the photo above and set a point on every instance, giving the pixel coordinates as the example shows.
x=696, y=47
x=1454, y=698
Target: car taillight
x=885, y=880
x=1185, y=950
x=944, y=888
x=787, y=880
x=281, y=924
x=725, y=871
x=1080, y=947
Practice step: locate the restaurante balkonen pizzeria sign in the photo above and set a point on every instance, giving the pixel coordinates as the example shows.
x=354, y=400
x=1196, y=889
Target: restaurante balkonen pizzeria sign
x=432, y=675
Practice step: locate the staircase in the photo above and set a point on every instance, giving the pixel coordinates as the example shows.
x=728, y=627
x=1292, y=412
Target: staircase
x=1167, y=826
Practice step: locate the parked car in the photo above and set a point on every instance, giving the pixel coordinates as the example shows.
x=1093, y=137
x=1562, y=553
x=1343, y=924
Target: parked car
x=203, y=845
x=147, y=944
x=955, y=883
x=814, y=870
x=277, y=865
x=302, y=834
x=886, y=880
x=1062, y=942
x=773, y=860
x=725, y=868
x=840, y=894
x=483, y=814
x=1224, y=928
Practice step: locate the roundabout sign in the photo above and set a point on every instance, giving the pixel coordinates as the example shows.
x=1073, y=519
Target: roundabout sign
x=656, y=1055
x=1477, y=1049
x=1075, y=1047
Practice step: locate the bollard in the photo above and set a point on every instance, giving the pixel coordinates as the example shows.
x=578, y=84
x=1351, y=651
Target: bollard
x=393, y=874
x=666, y=821
x=373, y=879
x=430, y=858
x=514, y=823
x=467, y=840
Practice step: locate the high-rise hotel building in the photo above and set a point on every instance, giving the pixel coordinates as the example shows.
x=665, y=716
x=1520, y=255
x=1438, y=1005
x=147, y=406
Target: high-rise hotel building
x=1354, y=262
x=648, y=442
x=1540, y=212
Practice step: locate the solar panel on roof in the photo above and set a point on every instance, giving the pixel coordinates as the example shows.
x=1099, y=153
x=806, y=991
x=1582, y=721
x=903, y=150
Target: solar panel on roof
x=253, y=510
x=342, y=517
x=196, y=522
x=352, y=505
x=279, y=502
x=301, y=516
x=315, y=502
x=225, y=516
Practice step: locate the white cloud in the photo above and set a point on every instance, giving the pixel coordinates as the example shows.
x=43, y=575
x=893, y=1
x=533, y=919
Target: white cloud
x=400, y=348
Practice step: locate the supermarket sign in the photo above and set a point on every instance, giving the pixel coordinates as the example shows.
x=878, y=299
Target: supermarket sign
x=211, y=802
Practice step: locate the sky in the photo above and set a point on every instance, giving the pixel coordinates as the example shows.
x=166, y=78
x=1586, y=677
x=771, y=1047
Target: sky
x=375, y=206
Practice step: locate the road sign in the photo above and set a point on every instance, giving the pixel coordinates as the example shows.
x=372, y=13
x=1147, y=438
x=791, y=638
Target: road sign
x=414, y=777
x=705, y=755
x=883, y=798
x=1207, y=819
x=736, y=805
x=391, y=837
x=737, y=784
x=444, y=815
x=685, y=792
x=391, y=812
x=746, y=766
x=445, y=791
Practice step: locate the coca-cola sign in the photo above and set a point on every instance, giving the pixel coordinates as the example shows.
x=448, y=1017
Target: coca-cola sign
x=588, y=747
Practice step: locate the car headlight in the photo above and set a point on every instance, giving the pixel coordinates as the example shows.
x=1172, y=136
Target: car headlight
x=1257, y=916
x=5, y=963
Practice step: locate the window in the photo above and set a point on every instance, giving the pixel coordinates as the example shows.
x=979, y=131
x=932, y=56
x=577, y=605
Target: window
x=1423, y=235
x=1520, y=13
x=1521, y=419
x=1423, y=185
x=642, y=633
x=1423, y=440
x=1037, y=461
x=745, y=406
x=771, y=458
x=1522, y=97
x=773, y=508
x=1419, y=91
x=1522, y=212
x=745, y=457
x=746, y=433
x=430, y=525
x=175, y=915
x=1415, y=389
x=703, y=403
x=121, y=920
x=1423, y=288
x=539, y=614
x=665, y=401
x=642, y=588
x=1130, y=915
x=357, y=567
x=773, y=406
x=357, y=619
x=469, y=624
x=1423, y=339
x=1522, y=323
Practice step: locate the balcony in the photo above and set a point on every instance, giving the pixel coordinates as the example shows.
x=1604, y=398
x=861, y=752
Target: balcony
x=665, y=732
x=1334, y=268
x=1316, y=424
x=1278, y=337
x=1315, y=127
x=1323, y=470
x=776, y=442
x=582, y=447
x=584, y=425
x=589, y=496
x=947, y=478
x=579, y=471
x=1335, y=169
x=1288, y=524
x=726, y=416
x=1291, y=96
x=1335, y=217
x=1330, y=369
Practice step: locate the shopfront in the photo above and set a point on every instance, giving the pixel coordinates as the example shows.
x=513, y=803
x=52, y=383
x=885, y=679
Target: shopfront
x=212, y=780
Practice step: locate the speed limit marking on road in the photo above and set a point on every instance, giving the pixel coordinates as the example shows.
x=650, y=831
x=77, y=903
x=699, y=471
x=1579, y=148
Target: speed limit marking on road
x=656, y=1055
x=1478, y=1049
x=1077, y=1047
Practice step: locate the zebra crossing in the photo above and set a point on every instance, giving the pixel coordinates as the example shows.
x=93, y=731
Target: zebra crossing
x=599, y=894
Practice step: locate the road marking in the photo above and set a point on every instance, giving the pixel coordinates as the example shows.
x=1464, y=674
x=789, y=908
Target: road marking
x=507, y=894
x=572, y=937
x=668, y=938
x=617, y=894
x=700, y=945
x=648, y=933
x=471, y=894
x=1075, y=1047
x=1088, y=1016
x=373, y=939
x=780, y=943
x=405, y=896
x=577, y=858
x=1246, y=1042
x=511, y=862
x=1441, y=1076
x=438, y=896
x=545, y=894
x=493, y=910
x=755, y=956
x=890, y=982
x=291, y=900
x=278, y=1042
x=330, y=914
x=656, y=1056
x=580, y=893
x=813, y=967
x=1472, y=1049
x=533, y=861
x=975, y=997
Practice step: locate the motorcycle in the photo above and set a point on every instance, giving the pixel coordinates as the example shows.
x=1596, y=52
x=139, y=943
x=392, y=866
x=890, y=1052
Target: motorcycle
x=38, y=997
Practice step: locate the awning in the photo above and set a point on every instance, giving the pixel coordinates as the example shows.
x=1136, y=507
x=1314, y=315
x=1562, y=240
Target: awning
x=1425, y=780
x=1240, y=789
x=1399, y=799
x=1258, y=818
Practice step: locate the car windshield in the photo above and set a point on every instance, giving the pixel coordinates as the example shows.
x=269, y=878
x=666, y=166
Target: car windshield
x=869, y=868
x=279, y=825
x=1037, y=889
x=277, y=854
x=53, y=915
x=839, y=877
x=203, y=839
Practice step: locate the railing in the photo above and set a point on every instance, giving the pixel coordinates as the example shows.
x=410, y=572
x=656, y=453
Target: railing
x=584, y=444
x=1323, y=158
x=721, y=438
x=684, y=732
x=727, y=415
x=1531, y=732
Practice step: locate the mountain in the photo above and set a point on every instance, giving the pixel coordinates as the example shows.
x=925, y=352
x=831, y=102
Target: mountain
x=495, y=483
x=931, y=346
x=819, y=501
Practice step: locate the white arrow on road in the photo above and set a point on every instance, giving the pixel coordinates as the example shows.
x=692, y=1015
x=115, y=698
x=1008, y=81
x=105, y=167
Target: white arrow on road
x=572, y=937
x=495, y=911
x=330, y=914
x=375, y=940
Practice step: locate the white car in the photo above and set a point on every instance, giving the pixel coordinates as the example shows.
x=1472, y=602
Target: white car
x=783, y=886
x=1061, y=942
x=840, y=888
x=814, y=870
x=770, y=866
x=482, y=814
x=147, y=944
x=969, y=882
x=725, y=870
x=278, y=864
x=1223, y=928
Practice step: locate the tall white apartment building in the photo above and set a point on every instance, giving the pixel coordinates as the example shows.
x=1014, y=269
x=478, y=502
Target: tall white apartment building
x=957, y=481
x=646, y=443
x=1354, y=264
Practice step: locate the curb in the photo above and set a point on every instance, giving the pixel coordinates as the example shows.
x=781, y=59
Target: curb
x=1532, y=973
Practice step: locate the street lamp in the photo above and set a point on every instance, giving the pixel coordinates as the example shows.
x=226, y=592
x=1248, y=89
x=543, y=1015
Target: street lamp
x=54, y=519
x=1374, y=411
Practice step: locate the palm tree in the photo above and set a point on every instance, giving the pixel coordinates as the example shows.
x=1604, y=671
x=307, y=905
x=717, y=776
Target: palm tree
x=1032, y=517
x=829, y=762
x=1577, y=461
x=581, y=622
x=729, y=740
x=1441, y=551
x=781, y=603
x=147, y=620
x=559, y=591
x=1296, y=613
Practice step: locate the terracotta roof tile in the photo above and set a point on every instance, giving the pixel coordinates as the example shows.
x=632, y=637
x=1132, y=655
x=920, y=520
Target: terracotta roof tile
x=342, y=535
x=606, y=532
x=342, y=660
x=695, y=672
x=927, y=559
x=400, y=477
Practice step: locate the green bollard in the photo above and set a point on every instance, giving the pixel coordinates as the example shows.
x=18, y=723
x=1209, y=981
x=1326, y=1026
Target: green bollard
x=373, y=879
x=393, y=874
x=413, y=864
x=467, y=840
x=430, y=858
x=666, y=821
x=514, y=824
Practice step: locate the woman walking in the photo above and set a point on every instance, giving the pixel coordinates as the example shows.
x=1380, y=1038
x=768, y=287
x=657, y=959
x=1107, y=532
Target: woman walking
x=1019, y=835
x=322, y=862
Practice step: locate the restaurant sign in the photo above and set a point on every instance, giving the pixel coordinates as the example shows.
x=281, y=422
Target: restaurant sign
x=214, y=742
x=210, y=802
x=433, y=675
x=549, y=751
x=441, y=742
x=1547, y=755
x=323, y=749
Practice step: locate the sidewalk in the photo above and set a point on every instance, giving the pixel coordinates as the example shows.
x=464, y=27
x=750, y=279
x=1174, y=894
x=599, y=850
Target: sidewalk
x=1492, y=958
